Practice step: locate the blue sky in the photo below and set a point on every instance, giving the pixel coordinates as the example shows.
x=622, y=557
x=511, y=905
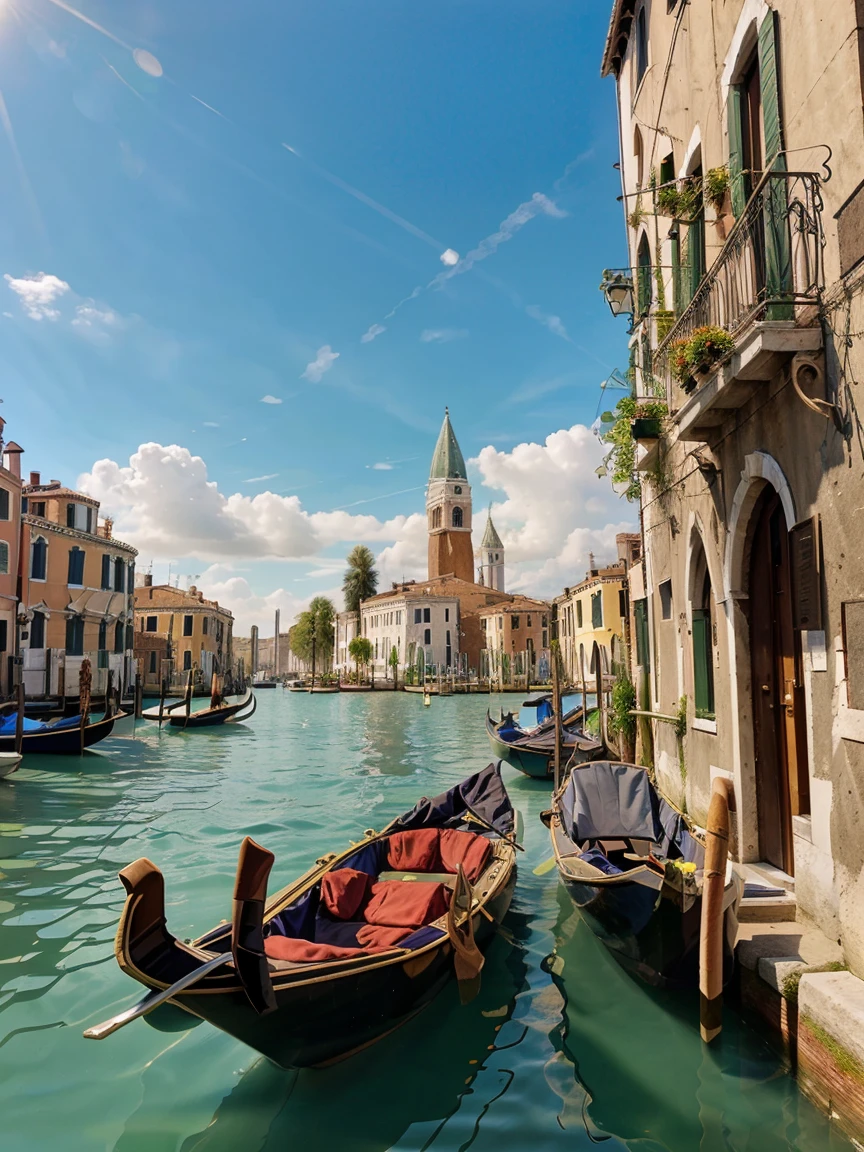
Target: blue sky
x=193, y=264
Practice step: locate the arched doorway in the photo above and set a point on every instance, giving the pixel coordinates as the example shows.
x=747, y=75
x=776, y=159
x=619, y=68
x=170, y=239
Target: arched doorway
x=779, y=735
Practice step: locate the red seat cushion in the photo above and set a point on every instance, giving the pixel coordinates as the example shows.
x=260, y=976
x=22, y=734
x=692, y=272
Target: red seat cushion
x=415, y=851
x=305, y=952
x=465, y=848
x=343, y=891
x=401, y=904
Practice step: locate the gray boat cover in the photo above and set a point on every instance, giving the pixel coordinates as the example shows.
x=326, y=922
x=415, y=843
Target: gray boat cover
x=608, y=801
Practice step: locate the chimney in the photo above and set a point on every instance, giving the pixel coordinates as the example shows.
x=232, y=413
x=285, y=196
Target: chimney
x=148, y=579
x=35, y=479
x=12, y=458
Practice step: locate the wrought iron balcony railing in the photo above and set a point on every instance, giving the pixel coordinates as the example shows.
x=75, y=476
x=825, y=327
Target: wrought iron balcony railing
x=770, y=267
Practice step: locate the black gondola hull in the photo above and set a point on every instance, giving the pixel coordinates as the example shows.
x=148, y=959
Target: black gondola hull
x=320, y=1020
x=65, y=742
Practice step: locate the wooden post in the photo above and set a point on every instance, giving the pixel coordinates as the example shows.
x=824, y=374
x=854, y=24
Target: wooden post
x=85, y=680
x=109, y=695
x=189, y=694
x=312, y=685
x=713, y=887
x=162, y=688
x=556, y=707
x=215, y=698
x=19, y=715
x=139, y=691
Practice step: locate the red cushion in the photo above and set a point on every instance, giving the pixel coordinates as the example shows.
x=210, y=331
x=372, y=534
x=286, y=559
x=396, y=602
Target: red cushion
x=405, y=904
x=372, y=936
x=343, y=891
x=304, y=951
x=465, y=848
x=415, y=851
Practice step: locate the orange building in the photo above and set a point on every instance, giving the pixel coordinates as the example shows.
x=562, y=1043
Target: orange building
x=76, y=585
x=10, y=540
x=517, y=628
x=194, y=632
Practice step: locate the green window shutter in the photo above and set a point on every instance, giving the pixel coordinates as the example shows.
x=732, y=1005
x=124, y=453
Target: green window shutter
x=769, y=84
x=778, y=247
x=643, y=655
x=736, y=149
x=703, y=666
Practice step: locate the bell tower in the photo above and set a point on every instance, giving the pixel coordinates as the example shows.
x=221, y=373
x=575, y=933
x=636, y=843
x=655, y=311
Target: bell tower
x=448, y=510
x=491, y=556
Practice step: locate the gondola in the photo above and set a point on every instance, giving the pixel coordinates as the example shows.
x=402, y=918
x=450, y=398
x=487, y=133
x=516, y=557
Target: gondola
x=632, y=863
x=220, y=713
x=349, y=951
x=532, y=751
x=9, y=763
x=60, y=737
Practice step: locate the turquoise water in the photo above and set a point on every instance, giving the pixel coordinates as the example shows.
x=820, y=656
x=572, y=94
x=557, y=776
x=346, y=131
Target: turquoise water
x=561, y=1049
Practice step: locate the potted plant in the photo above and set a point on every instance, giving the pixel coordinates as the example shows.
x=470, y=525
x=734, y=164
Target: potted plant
x=706, y=347
x=678, y=362
x=715, y=186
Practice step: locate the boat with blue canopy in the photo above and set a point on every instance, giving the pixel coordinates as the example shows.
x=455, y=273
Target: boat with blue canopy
x=532, y=750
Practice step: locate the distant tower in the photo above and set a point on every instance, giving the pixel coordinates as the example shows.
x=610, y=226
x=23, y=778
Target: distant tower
x=448, y=510
x=276, y=668
x=253, y=649
x=491, y=557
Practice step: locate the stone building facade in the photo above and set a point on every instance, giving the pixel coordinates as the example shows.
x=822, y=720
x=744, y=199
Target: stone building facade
x=518, y=629
x=10, y=542
x=198, y=632
x=741, y=138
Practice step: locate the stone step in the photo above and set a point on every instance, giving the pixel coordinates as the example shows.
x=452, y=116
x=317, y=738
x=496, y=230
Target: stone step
x=767, y=909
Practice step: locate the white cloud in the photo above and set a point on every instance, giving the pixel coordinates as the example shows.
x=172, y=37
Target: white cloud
x=373, y=331
x=210, y=424
x=442, y=335
x=268, y=399
x=223, y=583
x=322, y=363
x=382, y=466
x=553, y=323
x=38, y=293
x=261, y=479
x=450, y=257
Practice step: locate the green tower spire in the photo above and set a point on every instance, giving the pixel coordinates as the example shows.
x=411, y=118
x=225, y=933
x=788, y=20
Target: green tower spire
x=447, y=460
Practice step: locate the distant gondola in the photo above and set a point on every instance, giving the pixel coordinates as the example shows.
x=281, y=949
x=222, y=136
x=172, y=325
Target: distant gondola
x=532, y=751
x=349, y=951
x=59, y=737
x=631, y=863
x=220, y=713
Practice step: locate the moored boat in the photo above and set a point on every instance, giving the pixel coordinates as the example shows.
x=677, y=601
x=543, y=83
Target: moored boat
x=349, y=951
x=632, y=864
x=64, y=737
x=532, y=751
x=9, y=762
x=180, y=715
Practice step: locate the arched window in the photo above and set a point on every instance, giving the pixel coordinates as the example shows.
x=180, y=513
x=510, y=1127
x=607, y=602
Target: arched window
x=76, y=567
x=704, y=625
x=457, y=517
x=436, y=517
x=37, y=631
x=38, y=558
x=641, y=45
x=643, y=276
x=638, y=155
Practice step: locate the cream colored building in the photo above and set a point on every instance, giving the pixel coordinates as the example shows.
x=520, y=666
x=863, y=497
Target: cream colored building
x=197, y=631
x=412, y=621
x=10, y=542
x=750, y=601
x=516, y=629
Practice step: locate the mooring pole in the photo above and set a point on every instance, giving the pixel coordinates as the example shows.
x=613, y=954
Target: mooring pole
x=556, y=705
x=713, y=888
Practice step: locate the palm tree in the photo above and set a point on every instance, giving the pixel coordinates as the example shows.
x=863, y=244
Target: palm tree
x=361, y=579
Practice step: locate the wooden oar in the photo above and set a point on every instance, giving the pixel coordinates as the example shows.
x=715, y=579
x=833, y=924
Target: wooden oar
x=154, y=999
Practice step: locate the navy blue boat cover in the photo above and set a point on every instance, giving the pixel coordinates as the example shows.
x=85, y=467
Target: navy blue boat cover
x=606, y=801
x=482, y=795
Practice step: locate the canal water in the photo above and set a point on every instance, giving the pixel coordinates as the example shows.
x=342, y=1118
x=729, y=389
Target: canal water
x=561, y=1050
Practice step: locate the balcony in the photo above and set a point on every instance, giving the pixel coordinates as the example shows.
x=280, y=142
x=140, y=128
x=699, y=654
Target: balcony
x=763, y=289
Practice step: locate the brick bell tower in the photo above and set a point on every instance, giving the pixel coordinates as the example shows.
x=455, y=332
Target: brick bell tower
x=448, y=510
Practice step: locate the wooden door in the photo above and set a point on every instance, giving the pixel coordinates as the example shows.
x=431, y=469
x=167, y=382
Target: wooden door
x=778, y=704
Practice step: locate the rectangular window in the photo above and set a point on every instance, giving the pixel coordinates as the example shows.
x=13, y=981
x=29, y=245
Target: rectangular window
x=187, y=660
x=4, y=503
x=89, y=521
x=578, y=613
x=106, y=571
x=204, y=626
x=427, y=615
x=528, y=622
x=38, y=508
x=500, y=623
x=643, y=653
x=418, y=615
x=119, y=636
x=187, y=625
x=74, y=636
x=4, y=637
x=4, y=557
x=622, y=603
x=665, y=591
x=102, y=642
x=514, y=621
x=152, y=624
x=545, y=641
x=597, y=609
x=427, y=635
x=153, y=661
x=70, y=515
x=446, y=615
x=119, y=573
x=76, y=567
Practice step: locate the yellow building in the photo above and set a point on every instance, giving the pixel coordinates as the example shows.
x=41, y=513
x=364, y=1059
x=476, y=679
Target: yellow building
x=76, y=585
x=196, y=632
x=593, y=612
